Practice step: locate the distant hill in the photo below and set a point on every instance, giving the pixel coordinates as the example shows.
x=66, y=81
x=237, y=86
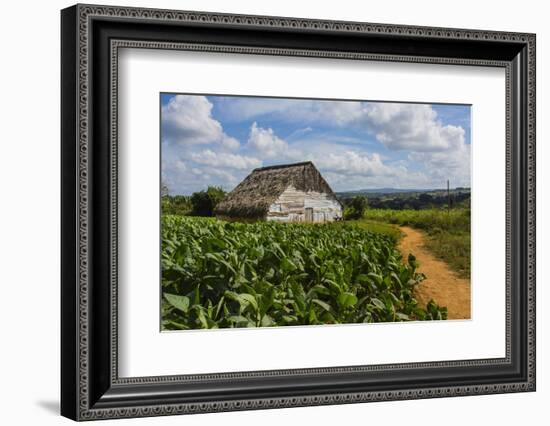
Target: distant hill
x=385, y=191
x=399, y=199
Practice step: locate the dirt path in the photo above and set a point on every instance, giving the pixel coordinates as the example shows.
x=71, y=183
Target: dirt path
x=441, y=283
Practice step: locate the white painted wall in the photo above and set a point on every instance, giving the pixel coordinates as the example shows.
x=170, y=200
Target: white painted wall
x=292, y=204
x=29, y=244
x=325, y=206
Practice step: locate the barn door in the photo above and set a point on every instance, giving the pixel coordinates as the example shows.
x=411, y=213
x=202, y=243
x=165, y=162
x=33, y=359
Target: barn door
x=309, y=214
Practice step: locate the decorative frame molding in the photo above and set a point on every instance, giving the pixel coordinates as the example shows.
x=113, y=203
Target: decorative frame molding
x=91, y=37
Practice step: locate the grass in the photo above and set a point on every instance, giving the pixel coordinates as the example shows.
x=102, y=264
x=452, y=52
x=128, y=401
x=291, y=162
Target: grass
x=448, y=232
x=378, y=227
x=454, y=249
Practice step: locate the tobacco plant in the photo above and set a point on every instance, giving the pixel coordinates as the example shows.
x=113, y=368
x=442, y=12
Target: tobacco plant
x=218, y=274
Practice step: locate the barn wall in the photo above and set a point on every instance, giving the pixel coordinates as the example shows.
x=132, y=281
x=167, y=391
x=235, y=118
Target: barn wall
x=292, y=203
x=325, y=207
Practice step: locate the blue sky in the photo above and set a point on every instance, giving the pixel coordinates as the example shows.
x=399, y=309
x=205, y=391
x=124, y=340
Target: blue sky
x=219, y=140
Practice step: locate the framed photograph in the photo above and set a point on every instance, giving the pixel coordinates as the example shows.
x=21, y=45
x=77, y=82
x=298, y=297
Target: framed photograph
x=263, y=212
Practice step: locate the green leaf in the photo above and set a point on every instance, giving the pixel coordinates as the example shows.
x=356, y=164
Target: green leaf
x=219, y=307
x=290, y=318
x=378, y=303
x=319, y=289
x=197, y=296
x=202, y=318
x=322, y=304
x=178, y=302
x=267, y=321
x=312, y=317
x=345, y=300
x=287, y=265
x=401, y=316
x=362, y=278
x=237, y=318
x=249, y=299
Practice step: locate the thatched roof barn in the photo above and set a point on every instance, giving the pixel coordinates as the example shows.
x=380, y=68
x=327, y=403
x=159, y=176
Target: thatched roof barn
x=287, y=192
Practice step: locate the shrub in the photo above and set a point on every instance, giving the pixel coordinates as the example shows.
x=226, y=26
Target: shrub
x=204, y=202
x=356, y=208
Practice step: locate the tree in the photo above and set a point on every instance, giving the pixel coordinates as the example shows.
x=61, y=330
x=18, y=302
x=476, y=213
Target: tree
x=164, y=190
x=176, y=204
x=359, y=204
x=357, y=207
x=425, y=198
x=204, y=202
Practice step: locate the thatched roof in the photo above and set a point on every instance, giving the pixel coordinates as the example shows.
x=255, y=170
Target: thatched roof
x=261, y=188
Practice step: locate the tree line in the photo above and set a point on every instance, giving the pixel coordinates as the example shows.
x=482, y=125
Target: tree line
x=200, y=203
x=354, y=206
x=421, y=201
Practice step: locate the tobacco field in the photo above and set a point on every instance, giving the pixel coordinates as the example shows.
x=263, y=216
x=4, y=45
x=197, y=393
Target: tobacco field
x=218, y=274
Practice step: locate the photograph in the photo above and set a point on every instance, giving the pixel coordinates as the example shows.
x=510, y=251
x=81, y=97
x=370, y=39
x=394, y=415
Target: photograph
x=307, y=212
x=262, y=209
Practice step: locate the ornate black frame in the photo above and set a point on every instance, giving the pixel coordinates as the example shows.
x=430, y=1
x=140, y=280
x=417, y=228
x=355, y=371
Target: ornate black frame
x=91, y=37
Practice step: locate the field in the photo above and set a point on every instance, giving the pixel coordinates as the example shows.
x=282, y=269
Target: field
x=218, y=274
x=448, y=232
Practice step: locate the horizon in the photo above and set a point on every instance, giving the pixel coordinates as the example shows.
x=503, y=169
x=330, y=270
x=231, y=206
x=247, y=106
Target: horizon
x=372, y=190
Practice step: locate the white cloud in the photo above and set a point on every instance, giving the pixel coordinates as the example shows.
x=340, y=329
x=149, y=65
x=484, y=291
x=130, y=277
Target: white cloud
x=230, y=143
x=403, y=179
x=398, y=126
x=354, y=163
x=410, y=127
x=186, y=177
x=453, y=164
x=389, y=145
x=187, y=120
x=439, y=150
x=220, y=159
x=298, y=133
x=266, y=142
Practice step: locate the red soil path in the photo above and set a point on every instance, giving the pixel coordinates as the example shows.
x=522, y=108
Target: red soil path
x=442, y=285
